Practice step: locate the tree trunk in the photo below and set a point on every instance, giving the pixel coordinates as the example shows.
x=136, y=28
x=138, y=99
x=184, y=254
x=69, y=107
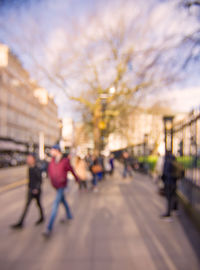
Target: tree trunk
x=96, y=134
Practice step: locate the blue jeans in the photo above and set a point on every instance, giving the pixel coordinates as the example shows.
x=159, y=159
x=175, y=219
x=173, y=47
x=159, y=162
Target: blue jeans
x=59, y=199
x=95, y=179
x=126, y=171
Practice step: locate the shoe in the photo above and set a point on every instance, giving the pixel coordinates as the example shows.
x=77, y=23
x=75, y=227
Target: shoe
x=17, y=226
x=65, y=220
x=95, y=190
x=166, y=217
x=40, y=221
x=46, y=234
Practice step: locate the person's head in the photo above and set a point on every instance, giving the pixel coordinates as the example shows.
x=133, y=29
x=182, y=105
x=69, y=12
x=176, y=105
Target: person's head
x=55, y=150
x=31, y=160
x=94, y=157
x=125, y=154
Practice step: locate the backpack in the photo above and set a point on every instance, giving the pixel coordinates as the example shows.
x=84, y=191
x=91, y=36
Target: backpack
x=178, y=171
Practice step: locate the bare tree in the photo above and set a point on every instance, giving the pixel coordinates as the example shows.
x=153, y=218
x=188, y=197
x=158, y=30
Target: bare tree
x=192, y=40
x=106, y=63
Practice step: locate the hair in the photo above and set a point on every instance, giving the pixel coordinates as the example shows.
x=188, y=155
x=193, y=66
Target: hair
x=95, y=162
x=33, y=155
x=78, y=158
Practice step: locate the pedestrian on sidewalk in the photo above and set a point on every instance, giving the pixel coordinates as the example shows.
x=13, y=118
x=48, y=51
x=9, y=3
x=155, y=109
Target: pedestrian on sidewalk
x=57, y=172
x=97, y=170
x=81, y=171
x=101, y=162
x=127, y=164
x=111, y=162
x=34, y=191
x=171, y=173
x=158, y=171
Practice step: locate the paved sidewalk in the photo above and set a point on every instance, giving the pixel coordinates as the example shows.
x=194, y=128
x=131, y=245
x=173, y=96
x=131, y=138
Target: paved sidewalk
x=116, y=229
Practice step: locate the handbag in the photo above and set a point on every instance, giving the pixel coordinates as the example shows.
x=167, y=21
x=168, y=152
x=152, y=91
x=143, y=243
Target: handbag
x=96, y=169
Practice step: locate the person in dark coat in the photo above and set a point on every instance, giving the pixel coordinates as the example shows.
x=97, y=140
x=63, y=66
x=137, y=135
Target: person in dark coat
x=111, y=162
x=170, y=184
x=57, y=171
x=34, y=191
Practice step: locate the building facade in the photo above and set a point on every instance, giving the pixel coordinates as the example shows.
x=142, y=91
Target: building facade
x=144, y=126
x=27, y=112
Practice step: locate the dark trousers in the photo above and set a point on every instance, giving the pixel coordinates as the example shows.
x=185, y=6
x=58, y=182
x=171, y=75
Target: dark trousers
x=127, y=170
x=30, y=197
x=111, y=170
x=172, y=200
x=83, y=184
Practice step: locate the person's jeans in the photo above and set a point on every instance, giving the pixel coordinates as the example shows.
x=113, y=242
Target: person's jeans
x=126, y=171
x=95, y=179
x=59, y=199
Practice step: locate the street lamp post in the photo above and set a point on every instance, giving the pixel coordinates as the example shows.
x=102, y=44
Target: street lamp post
x=102, y=124
x=168, y=131
x=146, y=136
x=104, y=101
x=146, y=166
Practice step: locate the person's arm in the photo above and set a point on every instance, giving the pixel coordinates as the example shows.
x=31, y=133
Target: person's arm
x=38, y=178
x=70, y=168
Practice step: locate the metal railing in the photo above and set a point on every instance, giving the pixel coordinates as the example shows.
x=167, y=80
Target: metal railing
x=186, y=145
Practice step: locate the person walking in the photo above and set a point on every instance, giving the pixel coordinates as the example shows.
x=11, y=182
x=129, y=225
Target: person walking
x=101, y=162
x=127, y=165
x=57, y=172
x=111, y=162
x=34, y=191
x=81, y=171
x=96, y=170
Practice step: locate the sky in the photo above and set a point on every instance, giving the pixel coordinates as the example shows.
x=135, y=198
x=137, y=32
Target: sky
x=44, y=31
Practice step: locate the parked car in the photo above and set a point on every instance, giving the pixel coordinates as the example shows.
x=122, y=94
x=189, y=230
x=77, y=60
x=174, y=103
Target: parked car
x=11, y=160
x=18, y=159
x=4, y=160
